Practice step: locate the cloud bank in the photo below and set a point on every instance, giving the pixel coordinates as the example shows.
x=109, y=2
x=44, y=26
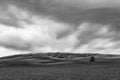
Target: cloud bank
x=59, y=25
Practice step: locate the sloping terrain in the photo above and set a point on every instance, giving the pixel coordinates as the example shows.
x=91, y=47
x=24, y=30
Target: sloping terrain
x=40, y=59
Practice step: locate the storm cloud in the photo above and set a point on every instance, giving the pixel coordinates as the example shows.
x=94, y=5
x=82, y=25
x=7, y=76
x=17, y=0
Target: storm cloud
x=60, y=25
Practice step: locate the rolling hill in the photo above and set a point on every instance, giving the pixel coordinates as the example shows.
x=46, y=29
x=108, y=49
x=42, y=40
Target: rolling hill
x=40, y=59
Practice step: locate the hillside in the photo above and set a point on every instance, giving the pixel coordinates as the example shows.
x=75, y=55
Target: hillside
x=39, y=59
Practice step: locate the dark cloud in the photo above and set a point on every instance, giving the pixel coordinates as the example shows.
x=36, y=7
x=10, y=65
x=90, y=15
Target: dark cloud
x=107, y=16
x=11, y=23
x=68, y=13
x=104, y=16
x=16, y=43
x=59, y=12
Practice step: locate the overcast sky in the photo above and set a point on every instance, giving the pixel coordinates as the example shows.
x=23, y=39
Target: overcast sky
x=59, y=25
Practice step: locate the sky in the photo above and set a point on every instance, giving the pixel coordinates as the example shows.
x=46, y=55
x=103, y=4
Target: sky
x=78, y=26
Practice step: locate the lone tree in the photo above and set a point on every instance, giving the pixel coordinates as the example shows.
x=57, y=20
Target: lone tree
x=92, y=59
